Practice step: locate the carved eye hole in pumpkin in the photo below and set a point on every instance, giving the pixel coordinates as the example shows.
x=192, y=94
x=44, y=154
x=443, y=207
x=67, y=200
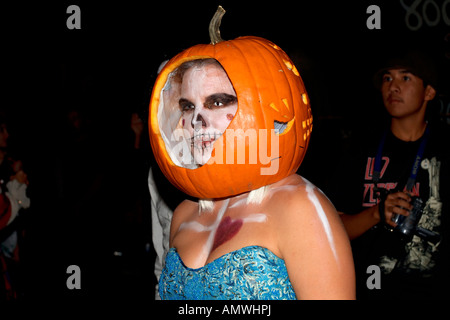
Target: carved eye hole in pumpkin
x=282, y=128
x=279, y=127
x=197, y=104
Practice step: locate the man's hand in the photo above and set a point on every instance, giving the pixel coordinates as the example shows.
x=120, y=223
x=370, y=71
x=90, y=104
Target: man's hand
x=396, y=203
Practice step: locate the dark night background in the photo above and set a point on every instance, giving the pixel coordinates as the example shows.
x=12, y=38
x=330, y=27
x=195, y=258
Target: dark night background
x=88, y=196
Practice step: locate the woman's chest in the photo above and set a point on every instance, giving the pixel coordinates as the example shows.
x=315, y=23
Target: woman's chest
x=206, y=238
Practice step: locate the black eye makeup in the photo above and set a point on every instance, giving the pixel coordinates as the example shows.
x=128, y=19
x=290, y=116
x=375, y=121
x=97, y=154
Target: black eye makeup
x=219, y=100
x=185, y=105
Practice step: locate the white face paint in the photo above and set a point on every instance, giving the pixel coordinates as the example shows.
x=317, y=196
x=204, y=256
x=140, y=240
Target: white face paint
x=208, y=103
x=323, y=217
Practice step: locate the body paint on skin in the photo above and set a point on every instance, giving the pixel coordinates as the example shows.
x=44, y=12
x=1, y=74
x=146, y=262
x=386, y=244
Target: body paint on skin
x=227, y=229
x=222, y=230
x=238, y=203
x=323, y=217
x=206, y=250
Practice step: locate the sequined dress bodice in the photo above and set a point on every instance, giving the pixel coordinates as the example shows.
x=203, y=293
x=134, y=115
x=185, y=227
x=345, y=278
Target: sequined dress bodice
x=250, y=273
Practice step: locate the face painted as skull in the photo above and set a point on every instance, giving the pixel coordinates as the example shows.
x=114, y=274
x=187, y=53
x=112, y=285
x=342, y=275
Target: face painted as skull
x=208, y=104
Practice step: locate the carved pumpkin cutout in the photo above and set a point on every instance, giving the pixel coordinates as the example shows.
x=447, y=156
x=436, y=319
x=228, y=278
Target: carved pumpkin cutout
x=196, y=106
x=266, y=139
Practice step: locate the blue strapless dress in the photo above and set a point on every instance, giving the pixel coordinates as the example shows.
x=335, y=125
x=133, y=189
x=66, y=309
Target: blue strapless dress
x=250, y=273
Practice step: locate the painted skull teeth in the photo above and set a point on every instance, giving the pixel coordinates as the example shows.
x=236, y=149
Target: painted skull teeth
x=204, y=140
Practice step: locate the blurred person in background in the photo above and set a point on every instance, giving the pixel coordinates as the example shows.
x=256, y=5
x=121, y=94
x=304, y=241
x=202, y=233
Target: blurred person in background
x=13, y=198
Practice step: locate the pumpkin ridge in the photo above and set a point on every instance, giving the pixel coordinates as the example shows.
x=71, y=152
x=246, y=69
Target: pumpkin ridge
x=256, y=83
x=263, y=50
x=291, y=84
x=255, y=86
x=260, y=48
x=292, y=80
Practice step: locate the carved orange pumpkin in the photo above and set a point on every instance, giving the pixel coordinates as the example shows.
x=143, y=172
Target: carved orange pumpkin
x=271, y=127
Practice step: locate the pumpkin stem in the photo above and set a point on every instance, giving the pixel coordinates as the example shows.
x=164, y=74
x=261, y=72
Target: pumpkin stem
x=214, y=32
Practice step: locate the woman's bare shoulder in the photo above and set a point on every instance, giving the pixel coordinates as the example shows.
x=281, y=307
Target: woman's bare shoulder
x=301, y=205
x=182, y=213
x=295, y=192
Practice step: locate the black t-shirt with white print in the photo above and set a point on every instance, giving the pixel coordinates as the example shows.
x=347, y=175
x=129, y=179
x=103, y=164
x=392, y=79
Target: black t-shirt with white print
x=404, y=263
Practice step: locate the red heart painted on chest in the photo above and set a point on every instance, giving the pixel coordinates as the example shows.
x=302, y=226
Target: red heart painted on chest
x=227, y=229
